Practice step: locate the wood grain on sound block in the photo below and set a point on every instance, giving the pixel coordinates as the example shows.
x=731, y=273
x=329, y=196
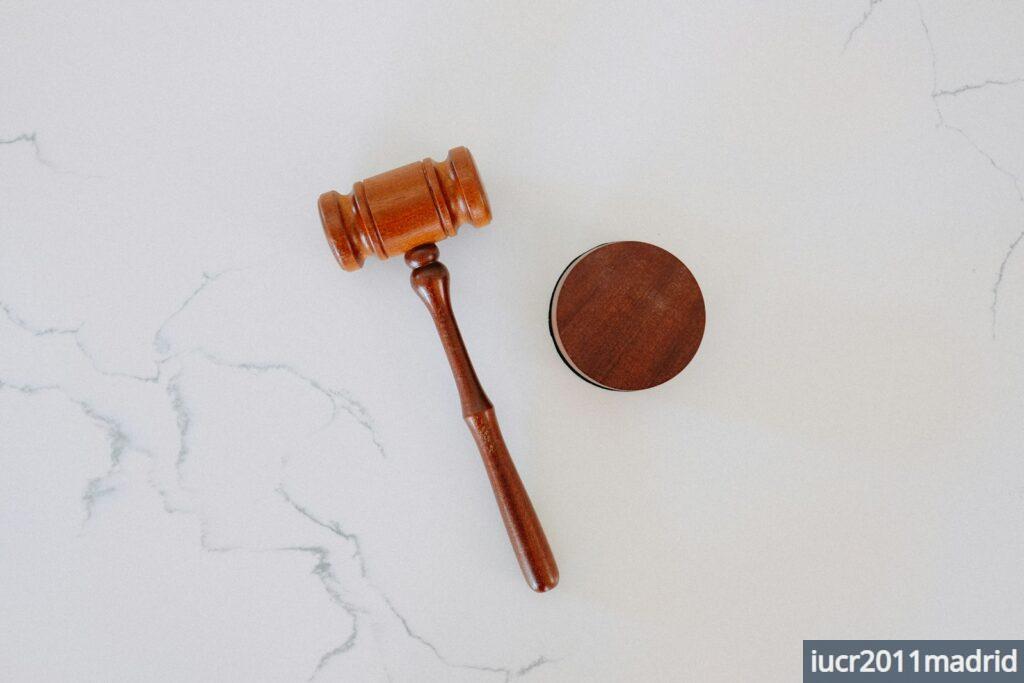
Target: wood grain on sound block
x=627, y=316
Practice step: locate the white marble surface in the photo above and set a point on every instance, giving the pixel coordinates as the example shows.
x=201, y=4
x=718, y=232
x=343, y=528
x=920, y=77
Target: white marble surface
x=224, y=459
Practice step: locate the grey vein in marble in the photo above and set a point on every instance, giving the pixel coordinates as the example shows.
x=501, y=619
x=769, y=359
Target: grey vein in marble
x=119, y=444
x=975, y=86
x=18, y=321
x=324, y=570
x=328, y=656
x=73, y=332
x=508, y=673
x=96, y=489
x=160, y=343
x=335, y=529
x=149, y=379
x=860, y=24
x=337, y=398
x=533, y=665
x=31, y=139
x=942, y=123
x=117, y=438
x=332, y=526
x=999, y=280
x=182, y=417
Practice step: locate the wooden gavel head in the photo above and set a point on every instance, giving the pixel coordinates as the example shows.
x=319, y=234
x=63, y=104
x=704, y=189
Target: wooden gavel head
x=394, y=212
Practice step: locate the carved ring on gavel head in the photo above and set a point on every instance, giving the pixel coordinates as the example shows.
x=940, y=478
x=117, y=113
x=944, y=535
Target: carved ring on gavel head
x=405, y=211
x=389, y=214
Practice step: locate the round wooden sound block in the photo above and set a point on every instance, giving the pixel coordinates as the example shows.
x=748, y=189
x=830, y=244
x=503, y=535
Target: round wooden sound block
x=627, y=316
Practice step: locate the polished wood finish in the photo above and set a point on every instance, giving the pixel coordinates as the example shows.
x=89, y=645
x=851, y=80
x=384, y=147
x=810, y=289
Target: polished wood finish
x=627, y=316
x=430, y=280
x=389, y=214
x=405, y=211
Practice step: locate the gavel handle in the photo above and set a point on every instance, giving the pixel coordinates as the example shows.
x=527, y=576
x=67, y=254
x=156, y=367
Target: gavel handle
x=430, y=281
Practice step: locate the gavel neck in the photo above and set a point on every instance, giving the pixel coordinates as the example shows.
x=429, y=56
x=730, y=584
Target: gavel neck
x=430, y=280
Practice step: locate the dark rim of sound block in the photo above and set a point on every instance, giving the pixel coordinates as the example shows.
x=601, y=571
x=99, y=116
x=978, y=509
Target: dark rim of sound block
x=551, y=323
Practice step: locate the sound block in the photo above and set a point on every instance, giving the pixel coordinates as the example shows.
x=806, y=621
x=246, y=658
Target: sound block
x=627, y=316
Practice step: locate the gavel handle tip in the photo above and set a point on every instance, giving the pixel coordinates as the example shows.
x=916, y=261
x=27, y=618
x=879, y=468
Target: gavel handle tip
x=546, y=583
x=536, y=560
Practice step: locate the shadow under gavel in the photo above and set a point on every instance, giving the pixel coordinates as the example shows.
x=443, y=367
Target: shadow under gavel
x=405, y=211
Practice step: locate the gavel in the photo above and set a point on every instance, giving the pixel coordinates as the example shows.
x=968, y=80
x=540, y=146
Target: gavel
x=405, y=211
